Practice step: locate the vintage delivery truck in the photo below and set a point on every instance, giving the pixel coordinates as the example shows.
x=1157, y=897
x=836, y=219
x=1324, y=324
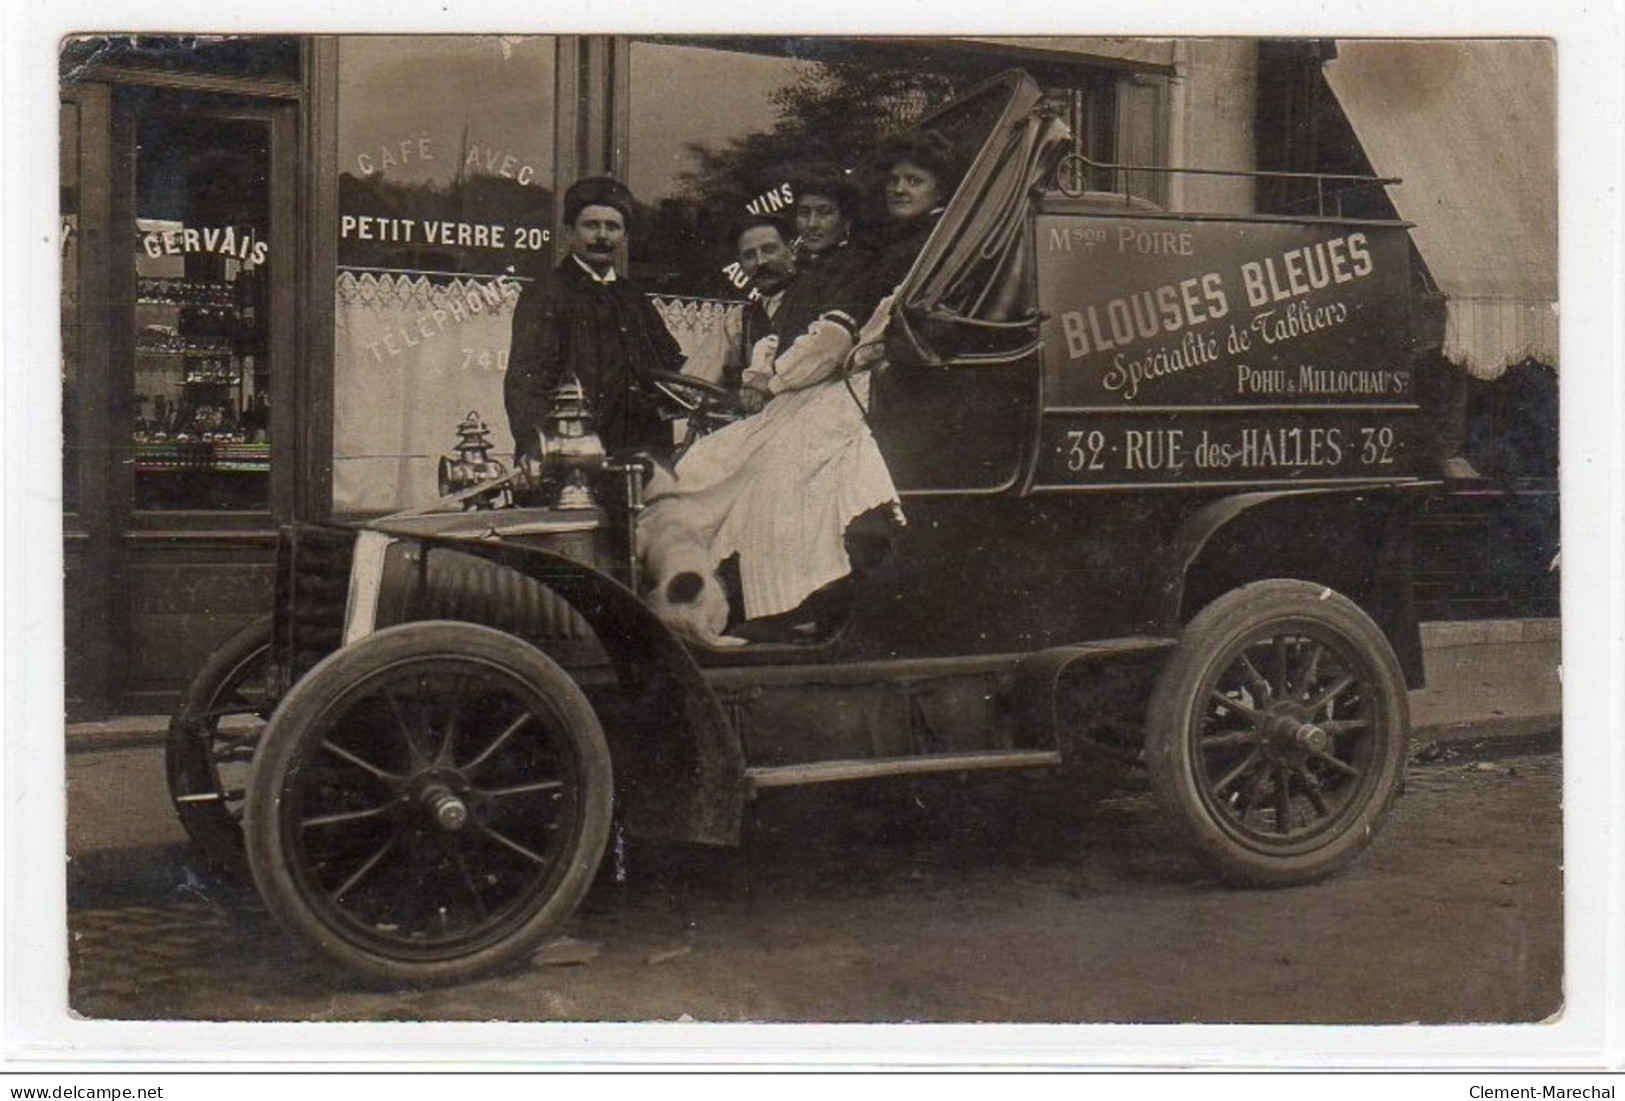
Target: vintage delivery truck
x=1157, y=470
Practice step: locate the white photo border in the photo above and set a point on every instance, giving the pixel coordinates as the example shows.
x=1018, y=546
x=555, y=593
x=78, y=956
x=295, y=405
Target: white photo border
x=39, y=1030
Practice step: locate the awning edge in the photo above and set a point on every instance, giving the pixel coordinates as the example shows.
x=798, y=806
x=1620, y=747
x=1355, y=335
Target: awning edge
x=1486, y=335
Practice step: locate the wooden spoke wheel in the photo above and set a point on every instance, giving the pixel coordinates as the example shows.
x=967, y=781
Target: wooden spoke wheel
x=429, y=802
x=1276, y=736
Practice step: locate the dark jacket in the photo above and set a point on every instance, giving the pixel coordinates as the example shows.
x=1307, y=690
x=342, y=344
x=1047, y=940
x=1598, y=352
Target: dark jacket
x=835, y=283
x=605, y=334
x=891, y=252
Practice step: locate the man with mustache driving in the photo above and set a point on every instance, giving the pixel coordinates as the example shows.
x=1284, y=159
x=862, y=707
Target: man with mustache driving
x=588, y=320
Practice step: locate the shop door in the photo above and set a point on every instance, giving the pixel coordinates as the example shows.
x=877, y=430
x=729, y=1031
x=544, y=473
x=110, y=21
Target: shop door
x=185, y=423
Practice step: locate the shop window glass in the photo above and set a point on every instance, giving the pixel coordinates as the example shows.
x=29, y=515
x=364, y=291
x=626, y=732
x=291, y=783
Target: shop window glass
x=768, y=110
x=201, y=386
x=446, y=152
x=1087, y=110
x=773, y=105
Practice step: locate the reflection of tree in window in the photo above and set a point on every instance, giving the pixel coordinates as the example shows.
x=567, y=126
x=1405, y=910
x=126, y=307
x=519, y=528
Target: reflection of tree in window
x=828, y=112
x=835, y=113
x=827, y=101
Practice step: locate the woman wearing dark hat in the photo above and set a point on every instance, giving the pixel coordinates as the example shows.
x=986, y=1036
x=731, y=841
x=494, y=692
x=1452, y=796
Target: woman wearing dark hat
x=826, y=205
x=588, y=320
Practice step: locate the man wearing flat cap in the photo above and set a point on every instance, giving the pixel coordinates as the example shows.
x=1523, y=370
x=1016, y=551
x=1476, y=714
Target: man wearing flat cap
x=588, y=320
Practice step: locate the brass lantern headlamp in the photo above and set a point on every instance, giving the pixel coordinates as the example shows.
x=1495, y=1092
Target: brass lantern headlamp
x=569, y=449
x=473, y=465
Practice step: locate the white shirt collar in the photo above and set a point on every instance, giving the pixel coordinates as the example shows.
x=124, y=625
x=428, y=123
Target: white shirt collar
x=592, y=273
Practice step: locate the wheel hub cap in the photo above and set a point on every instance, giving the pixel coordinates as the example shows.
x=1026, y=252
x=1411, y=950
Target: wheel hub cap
x=1288, y=736
x=1313, y=738
x=448, y=811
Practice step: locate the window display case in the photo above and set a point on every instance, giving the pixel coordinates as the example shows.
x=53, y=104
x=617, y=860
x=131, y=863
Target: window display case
x=200, y=393
x=202, y=401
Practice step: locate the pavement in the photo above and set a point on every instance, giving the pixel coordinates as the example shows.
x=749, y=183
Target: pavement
x=1489, y=678
x=1485, y=678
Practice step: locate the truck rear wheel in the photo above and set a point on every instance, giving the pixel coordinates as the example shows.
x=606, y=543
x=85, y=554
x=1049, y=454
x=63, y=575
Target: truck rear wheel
x=1276, y=735
x=429, y=803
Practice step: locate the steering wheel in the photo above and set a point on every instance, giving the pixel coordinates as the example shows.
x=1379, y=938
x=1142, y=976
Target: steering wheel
x=706, y=405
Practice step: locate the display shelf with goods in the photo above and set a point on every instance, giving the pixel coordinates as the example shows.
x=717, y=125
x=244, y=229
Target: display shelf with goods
x=201, y=396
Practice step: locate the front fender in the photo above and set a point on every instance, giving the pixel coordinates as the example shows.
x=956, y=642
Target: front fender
x=1356, y=541
x=680, y=771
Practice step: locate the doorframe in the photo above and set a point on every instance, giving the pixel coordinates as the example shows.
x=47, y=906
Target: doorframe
x=91, y=525
x=300, y=345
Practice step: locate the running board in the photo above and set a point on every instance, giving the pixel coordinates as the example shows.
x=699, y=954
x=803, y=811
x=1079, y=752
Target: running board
x=824, y=772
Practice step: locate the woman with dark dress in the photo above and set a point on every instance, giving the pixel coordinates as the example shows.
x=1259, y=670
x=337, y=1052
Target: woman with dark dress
x=919, y=175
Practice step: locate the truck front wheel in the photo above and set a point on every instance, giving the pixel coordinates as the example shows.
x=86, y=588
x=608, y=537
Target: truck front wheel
x=1276, y=735
x=428, y=803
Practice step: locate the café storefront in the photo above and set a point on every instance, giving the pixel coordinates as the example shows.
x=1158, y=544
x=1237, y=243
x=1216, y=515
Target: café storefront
x=289, y=263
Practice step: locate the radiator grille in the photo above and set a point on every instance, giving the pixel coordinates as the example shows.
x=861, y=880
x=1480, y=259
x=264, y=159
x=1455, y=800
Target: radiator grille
x=312, y=587
x=418, y=583
x=447, y=584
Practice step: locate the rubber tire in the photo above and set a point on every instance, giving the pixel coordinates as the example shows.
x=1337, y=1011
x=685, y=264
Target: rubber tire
x=283, y=751
x=189, y=767
x=1211, y=638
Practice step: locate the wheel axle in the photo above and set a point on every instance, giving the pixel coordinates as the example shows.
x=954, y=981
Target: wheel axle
x=1287, y=732
x=449, y=812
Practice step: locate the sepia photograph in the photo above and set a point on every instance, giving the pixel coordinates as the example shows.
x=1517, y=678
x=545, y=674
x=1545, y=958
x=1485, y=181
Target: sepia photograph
x=745, y=529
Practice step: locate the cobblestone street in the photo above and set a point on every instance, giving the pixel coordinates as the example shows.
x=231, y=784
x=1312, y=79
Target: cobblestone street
x=1002, y=900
